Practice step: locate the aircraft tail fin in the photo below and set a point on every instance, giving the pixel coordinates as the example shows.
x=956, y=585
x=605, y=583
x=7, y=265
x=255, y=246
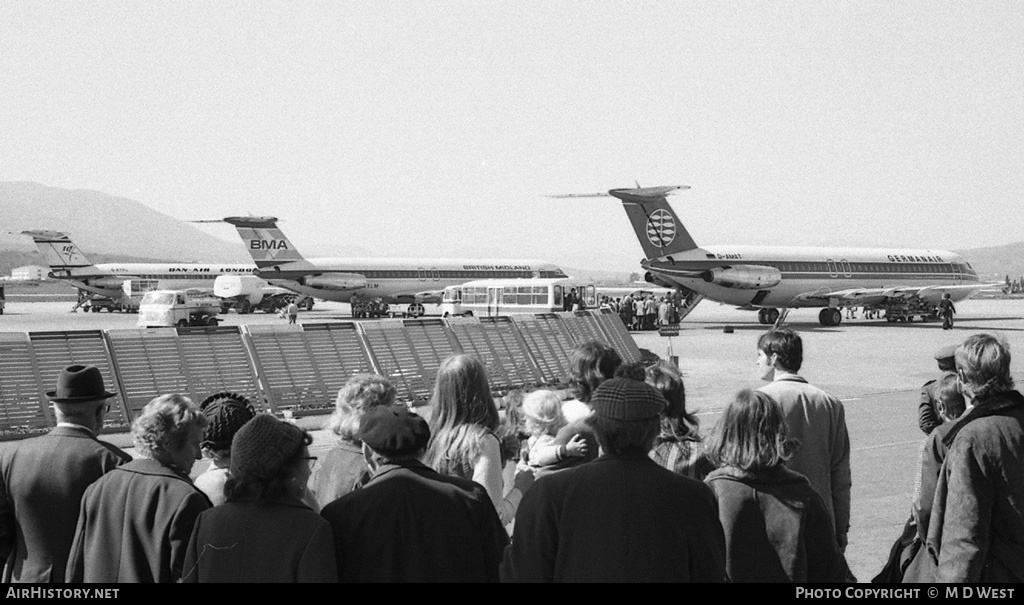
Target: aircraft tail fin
x=659, y=230
x=59, y=252
x=266, y=243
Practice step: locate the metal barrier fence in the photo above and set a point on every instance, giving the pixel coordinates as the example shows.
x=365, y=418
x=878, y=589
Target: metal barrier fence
x=293, y=368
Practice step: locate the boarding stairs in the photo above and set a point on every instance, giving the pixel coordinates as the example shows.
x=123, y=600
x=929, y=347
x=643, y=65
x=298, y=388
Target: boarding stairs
x=689, y=301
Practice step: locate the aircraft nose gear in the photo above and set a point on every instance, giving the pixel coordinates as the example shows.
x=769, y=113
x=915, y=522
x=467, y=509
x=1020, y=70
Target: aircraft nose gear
x=416, y=310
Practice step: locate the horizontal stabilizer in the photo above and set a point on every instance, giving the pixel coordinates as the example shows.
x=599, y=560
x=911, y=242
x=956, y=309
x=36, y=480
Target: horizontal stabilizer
x=47, y=236
x=646, y=194
x=642, y=193
x=252, y=222
x=59, y=252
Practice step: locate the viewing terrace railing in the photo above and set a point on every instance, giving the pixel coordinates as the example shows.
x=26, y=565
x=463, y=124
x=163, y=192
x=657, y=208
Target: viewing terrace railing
x=290, y=368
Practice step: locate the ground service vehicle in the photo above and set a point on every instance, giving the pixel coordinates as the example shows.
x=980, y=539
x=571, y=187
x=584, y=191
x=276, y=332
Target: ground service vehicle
x=451, y=302
x=249, y=293
x=504, y=296
x=177, y=308
x=373, y=308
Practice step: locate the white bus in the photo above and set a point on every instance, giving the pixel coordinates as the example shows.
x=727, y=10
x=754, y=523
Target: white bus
x=486, y=297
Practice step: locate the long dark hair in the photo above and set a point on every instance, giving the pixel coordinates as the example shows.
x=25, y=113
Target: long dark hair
x=677, y=424
x=463, y=412
x=752, y=434
x=590, y=364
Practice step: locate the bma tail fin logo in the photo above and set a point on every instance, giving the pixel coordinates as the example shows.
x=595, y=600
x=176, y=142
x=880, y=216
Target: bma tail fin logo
x=258, y=244
x=268, y=246
x=661, y=228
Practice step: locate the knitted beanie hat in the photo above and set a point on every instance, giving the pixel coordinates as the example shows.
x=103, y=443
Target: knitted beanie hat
x=264, y=445
x=226, y=413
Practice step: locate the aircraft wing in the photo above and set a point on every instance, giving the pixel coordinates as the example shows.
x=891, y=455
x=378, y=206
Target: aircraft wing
x=851, y=296
x=874, y=296
x=933, y=294
x=430, y=296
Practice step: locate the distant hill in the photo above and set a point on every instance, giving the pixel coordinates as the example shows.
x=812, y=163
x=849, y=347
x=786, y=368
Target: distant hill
x=996, y=262
x=103, y=224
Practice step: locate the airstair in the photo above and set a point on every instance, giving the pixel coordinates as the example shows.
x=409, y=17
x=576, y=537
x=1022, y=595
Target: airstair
x=689, y=301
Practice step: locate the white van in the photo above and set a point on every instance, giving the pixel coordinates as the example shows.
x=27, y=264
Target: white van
x=177, y=308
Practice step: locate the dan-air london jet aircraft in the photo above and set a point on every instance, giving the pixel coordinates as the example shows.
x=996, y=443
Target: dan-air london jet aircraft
x=393, y=280
x=774, y=280
x=67, y=262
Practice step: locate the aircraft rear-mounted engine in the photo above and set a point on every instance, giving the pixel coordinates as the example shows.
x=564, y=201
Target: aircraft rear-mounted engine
x=654, y=279
x=743, y=277
x=335, y=281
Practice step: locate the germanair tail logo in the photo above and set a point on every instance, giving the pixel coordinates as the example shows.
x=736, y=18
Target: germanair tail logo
x=661, y=229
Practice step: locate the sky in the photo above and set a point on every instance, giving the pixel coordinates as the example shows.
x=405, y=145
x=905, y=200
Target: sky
x=437, y=129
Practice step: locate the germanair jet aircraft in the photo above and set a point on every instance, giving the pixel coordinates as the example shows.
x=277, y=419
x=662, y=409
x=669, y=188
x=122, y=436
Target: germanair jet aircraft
x=774, y=280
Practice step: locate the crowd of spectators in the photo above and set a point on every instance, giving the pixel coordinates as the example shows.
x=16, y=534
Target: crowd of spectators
x=614, y=481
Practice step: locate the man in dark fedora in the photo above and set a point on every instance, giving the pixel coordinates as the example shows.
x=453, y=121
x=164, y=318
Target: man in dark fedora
x=622, y=517
x=409, y=523
x=42, y=479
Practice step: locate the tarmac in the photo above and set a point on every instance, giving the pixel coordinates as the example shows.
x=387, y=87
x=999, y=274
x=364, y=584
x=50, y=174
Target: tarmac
x=874, y=367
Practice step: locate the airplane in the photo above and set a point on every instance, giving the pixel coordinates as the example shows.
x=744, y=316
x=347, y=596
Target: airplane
x=359, y=280
x=775, y=279
x=118, y=280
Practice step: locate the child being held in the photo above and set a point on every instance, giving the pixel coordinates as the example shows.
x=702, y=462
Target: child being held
x=542, y=418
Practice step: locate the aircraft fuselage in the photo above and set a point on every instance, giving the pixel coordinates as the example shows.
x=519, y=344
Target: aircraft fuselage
x=398, y=280
x=107, y=279
x=803, y=270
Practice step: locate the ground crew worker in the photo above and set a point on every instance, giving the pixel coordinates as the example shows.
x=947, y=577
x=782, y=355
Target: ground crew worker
x=946, y=310
x=293, y=312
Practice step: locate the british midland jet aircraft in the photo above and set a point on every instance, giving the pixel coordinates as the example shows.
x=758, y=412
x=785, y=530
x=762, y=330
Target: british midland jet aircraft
x=68, y=263
x=352, y=280
x=774, y=280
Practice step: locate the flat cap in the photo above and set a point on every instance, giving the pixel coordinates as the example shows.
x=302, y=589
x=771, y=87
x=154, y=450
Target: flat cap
x=948, y=352
x=393, y=431
x=627, y=399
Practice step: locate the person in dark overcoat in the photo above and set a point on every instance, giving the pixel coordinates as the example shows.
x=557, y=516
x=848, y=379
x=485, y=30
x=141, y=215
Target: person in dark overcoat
x=411, y=523
x=976, y=530
x=136, y=520
x=264, y=532
x=42, y=479
x=777, y=528
x=622, y=517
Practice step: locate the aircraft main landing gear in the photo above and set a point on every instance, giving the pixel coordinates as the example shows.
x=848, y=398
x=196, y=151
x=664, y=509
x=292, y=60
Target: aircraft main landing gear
x=830, y=317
